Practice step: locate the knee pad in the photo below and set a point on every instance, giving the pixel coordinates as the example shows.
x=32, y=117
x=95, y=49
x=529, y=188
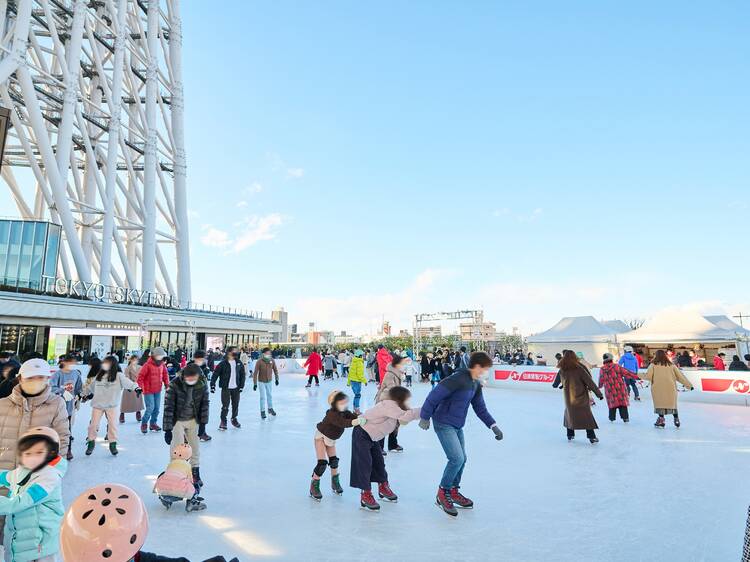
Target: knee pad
x=320, y=468
x=334, y=462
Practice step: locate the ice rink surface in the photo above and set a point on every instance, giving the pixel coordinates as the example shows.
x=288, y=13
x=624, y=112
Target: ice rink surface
x=641, y=494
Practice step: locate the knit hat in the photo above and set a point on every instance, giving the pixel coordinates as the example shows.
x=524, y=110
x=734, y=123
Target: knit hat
x=158, y=352
x=34, y=368
x=607, y=357
x=358, y=353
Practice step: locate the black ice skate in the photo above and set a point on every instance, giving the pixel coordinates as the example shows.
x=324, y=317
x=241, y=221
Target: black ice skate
x=194, y=504
x=315, y=490
x=271, y=411
x=262, y=414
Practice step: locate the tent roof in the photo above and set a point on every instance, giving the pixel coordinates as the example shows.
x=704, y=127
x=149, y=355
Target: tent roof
x=673, y=327
x=575, y=329
x=618, y=326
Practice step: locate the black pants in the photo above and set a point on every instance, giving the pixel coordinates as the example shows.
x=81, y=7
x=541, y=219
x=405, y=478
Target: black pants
x=392, y=440
x=311, y=377
x=590, y=433
x=368, y=464
x=227, y=396
x=623, y=413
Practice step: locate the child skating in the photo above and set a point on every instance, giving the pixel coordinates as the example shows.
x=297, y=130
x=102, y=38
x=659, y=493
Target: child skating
x=337, y=419
x=176, y=483
x=34, y=507
x=68, y=383
x=107, y=387
x=368, y=463
x=356, y=377
x=613, y=378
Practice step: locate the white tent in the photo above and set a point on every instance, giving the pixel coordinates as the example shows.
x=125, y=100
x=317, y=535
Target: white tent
x=583, y=334
x=686, y=327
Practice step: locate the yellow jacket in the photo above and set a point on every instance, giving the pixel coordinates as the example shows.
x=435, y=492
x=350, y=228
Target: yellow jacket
x=356, y=371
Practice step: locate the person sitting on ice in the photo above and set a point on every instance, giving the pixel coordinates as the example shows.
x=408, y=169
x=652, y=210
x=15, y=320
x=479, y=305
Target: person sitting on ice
x=84, y=537
x=176, y=482
x=448, y=405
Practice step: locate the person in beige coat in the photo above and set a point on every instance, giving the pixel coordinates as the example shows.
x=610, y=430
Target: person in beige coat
x=664, y=376
x=131, y=402
x=393, y=377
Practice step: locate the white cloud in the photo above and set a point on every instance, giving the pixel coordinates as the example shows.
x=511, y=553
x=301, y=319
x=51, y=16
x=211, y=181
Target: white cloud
x=532, y=216
x=295, y=173
x=241, y=204
x=253, y=188
x=215, y=238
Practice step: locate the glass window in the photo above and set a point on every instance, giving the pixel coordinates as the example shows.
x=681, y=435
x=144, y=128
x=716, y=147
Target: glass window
x=9, y=339
x=37, y=255
x=172, y=342
x=181, y=339
x=4, y=235
x=26, y=340
x=27, y=249
x=53, y=244
x=14, y=252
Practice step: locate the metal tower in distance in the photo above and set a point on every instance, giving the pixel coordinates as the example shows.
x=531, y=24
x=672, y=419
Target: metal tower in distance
x=96, y=142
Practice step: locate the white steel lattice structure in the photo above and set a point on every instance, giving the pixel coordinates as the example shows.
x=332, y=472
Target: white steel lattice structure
x=97, y=140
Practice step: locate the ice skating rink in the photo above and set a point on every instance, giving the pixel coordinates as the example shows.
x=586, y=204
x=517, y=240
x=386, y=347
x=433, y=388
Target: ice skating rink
x=641, y=494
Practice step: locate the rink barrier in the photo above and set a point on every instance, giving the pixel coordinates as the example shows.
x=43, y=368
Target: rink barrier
x=717, y=387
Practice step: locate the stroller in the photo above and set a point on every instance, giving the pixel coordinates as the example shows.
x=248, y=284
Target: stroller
x=175, y=484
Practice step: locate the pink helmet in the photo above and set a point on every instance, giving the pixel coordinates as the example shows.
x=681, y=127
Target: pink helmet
x=182, y=451
x=107, y=523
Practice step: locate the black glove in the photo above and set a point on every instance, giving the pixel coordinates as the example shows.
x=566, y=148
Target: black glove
x=213, y=389
x=255, y=387
x=202, y=429
x=277, y=382
x=168, y=437
x=138, y=391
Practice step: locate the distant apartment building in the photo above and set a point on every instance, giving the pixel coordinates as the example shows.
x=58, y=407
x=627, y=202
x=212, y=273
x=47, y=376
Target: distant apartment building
x=478, y=332
x=430, y=331
x=282, y=317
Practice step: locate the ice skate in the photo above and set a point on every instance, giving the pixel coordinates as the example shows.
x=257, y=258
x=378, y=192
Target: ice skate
x=122, y=417
x=308, y=385
x=235, y=423
x=336, y=485
x=197, y=482
x=262, y=415
x=137, y=416
x=205, y=437
x=154, y=427
x=271, y=411
x=459, y=500
x=315, y=490
x=367, y=501
x=660, y=422
x=223, y=426
x=193, y=504
x=144, y=428
x=396, y=449
x=113, y=448
x=385, y=492
x=593, y=440
x=443, y=501
x=90, y=447
x=676, y=421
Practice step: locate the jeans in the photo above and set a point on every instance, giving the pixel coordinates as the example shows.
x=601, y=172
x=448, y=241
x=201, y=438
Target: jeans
x=357, y=389
x=631, y=384
x=265, y=389
x=152, y=402
x=230, y=395
x=452, y=441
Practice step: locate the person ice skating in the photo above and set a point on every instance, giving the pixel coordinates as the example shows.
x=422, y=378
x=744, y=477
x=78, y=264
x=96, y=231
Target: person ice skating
x=152, y=378
x=199, y=359
x=107, y=388
x=629, y=361
x=131, y=402
x=177, y=482
x=231, y=376
x=383, y=358
x=577, y=382
x=313, y=364
x=264, y=376
x=186, y=414
x=84, y=539
x=68, y=384
x=32, y=401
x=394, y=376
x=410, y=371
x=664, y=376
x=368, y=463
x=33, y=508
x=612, y=377
x=329, y=364
x=448, y=405
x=356, y=377
x=328, y=431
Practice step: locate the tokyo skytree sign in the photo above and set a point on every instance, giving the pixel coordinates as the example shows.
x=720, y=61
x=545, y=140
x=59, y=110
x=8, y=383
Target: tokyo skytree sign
x=96, y=138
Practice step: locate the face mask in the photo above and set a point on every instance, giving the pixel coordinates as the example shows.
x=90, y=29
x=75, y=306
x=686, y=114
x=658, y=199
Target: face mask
x=199, y=362
x=191, y=382
x=407, y=404
x=341, y=407
x=33, y=387
x=158, y=360
x=266, y=358
x=32, y=461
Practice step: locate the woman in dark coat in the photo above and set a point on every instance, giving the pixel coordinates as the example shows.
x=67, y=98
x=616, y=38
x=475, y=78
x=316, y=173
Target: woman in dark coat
x=577, y=382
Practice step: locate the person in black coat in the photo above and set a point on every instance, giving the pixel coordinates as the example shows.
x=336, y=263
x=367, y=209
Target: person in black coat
x=186, y=414
x=737, y=364
x=684, y=360
x=231, y=376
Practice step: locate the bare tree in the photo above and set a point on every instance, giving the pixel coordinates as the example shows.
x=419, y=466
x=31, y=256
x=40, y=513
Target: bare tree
x=634, y=323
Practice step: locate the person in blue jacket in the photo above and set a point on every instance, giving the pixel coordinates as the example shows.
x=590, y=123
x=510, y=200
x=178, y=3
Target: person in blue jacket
x=447, y=405
x=630, y=362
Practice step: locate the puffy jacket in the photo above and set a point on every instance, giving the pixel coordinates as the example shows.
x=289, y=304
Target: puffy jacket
x=384, y=358
x=385, y=416
x=18, y=414
x=223, y=373
x=448, y=403
x=108, y=394
x=330, y=362
x=630, y=362
x=176, y=398
x=314, y=363
x=357, y=371
x=152, y=377
x=61, y=379
x=34, y=511
x=393, y=377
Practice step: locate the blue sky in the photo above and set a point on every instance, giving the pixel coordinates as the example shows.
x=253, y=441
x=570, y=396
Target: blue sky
x=349, y=160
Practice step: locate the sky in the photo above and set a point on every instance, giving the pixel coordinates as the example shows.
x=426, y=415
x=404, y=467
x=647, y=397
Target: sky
x=354, y=161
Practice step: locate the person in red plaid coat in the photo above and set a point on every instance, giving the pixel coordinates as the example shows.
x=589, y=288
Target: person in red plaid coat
x=612, y=378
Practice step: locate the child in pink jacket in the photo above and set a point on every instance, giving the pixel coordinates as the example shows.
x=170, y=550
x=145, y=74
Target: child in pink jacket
x=368, y=464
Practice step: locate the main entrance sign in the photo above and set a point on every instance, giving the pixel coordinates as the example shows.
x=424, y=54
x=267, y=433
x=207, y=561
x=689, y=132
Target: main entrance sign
x=106, y=293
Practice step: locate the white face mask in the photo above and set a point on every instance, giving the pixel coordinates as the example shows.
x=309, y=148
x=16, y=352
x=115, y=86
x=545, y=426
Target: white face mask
x=342, y=407
x=191, y=382
x=407, y=404
x=34, y=457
